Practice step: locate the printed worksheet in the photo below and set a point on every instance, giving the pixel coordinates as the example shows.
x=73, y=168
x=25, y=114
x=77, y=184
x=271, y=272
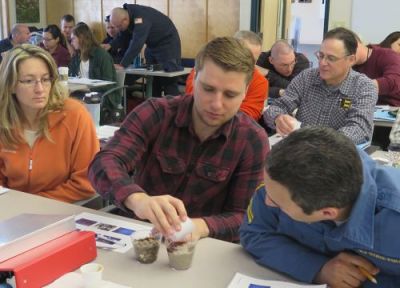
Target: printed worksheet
x=243, y=281
x=3, y=190
x=111, y=234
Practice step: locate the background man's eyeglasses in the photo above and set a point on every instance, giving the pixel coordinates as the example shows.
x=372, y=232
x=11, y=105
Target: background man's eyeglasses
x=329, y=58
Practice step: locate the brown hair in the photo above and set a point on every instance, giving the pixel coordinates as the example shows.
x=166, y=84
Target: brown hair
x=228, y=53
x=87, y=41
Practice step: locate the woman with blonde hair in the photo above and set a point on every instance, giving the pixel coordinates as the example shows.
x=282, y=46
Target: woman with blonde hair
x=47, y=140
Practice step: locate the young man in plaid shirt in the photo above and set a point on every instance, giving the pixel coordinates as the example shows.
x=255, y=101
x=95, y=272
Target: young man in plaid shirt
x=190, y=156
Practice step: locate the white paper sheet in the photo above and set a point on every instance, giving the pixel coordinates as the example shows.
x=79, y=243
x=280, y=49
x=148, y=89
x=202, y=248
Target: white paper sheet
x=243, y=281
x=89, y=82
x=106, y=131
x=3, y=190
x=111, y=234
x=75, y=280
x=274, y=139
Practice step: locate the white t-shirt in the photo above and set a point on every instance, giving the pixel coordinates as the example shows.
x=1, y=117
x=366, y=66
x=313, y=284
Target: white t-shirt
x=30, y=137
x=84, y=69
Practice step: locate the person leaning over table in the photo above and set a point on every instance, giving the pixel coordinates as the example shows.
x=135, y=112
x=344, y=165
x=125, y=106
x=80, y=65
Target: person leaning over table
x=326, y=212
x=116, y=52
x=93, y=62
x=47, y=140
x=189, y=156
x=332, y=95
x=163, y=45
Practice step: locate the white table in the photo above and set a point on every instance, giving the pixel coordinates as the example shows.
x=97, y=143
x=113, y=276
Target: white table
x=383, y=123
x=382, y=117
x=75, y=83
x=214, y=264
x=149, y=75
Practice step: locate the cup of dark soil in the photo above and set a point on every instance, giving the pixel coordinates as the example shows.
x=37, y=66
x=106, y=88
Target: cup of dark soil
x=180, y=253
x=146, y=245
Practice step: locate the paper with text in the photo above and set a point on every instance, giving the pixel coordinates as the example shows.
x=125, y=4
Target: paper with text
x=243, y=281
x=111, y=234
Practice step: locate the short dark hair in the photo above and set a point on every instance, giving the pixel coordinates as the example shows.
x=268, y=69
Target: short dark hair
x=392, y=37
x=56, y=33
x=68, y=18
x=349, y=38
x=319, y=166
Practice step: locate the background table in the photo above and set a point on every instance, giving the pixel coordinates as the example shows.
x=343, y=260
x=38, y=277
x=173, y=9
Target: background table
x=75, y=84
x=149, y=75
x=214, y=265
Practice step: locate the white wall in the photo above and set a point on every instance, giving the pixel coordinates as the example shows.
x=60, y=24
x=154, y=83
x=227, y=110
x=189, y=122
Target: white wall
x=340, y=13
x=373, y=20
x=311, y=17
x=245, y=13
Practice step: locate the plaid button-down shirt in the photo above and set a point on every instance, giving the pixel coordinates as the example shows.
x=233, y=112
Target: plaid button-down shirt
x=157, y=151
x=348, y=108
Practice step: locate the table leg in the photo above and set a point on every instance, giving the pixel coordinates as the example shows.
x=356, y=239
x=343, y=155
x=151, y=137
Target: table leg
x=149, y=86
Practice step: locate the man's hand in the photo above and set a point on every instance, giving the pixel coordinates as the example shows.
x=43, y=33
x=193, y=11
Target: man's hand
x=281, y=92
x=342, y=271
x=285, y=124
x=165, y=212
x=106, y=46
x=200, y=229
x=118, y=67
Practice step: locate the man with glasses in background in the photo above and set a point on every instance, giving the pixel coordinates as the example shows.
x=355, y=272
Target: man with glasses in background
x=332, y=95
x=280, y=65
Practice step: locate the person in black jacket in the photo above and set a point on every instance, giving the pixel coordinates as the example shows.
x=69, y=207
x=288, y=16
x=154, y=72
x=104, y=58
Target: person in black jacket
x=117, y=53
x=163, y=45
x=281, y=64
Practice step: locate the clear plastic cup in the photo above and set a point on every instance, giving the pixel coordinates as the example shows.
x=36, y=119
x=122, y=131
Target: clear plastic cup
x=180, y=253
x=146, y=245
x=63, y=72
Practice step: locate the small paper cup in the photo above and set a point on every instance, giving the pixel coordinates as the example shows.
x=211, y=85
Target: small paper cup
x=146, y=245
x=180, y=253
x=92, y=274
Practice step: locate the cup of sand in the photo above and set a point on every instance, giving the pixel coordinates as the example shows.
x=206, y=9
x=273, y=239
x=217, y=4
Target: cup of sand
x=180, y=253
x=146, y=245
